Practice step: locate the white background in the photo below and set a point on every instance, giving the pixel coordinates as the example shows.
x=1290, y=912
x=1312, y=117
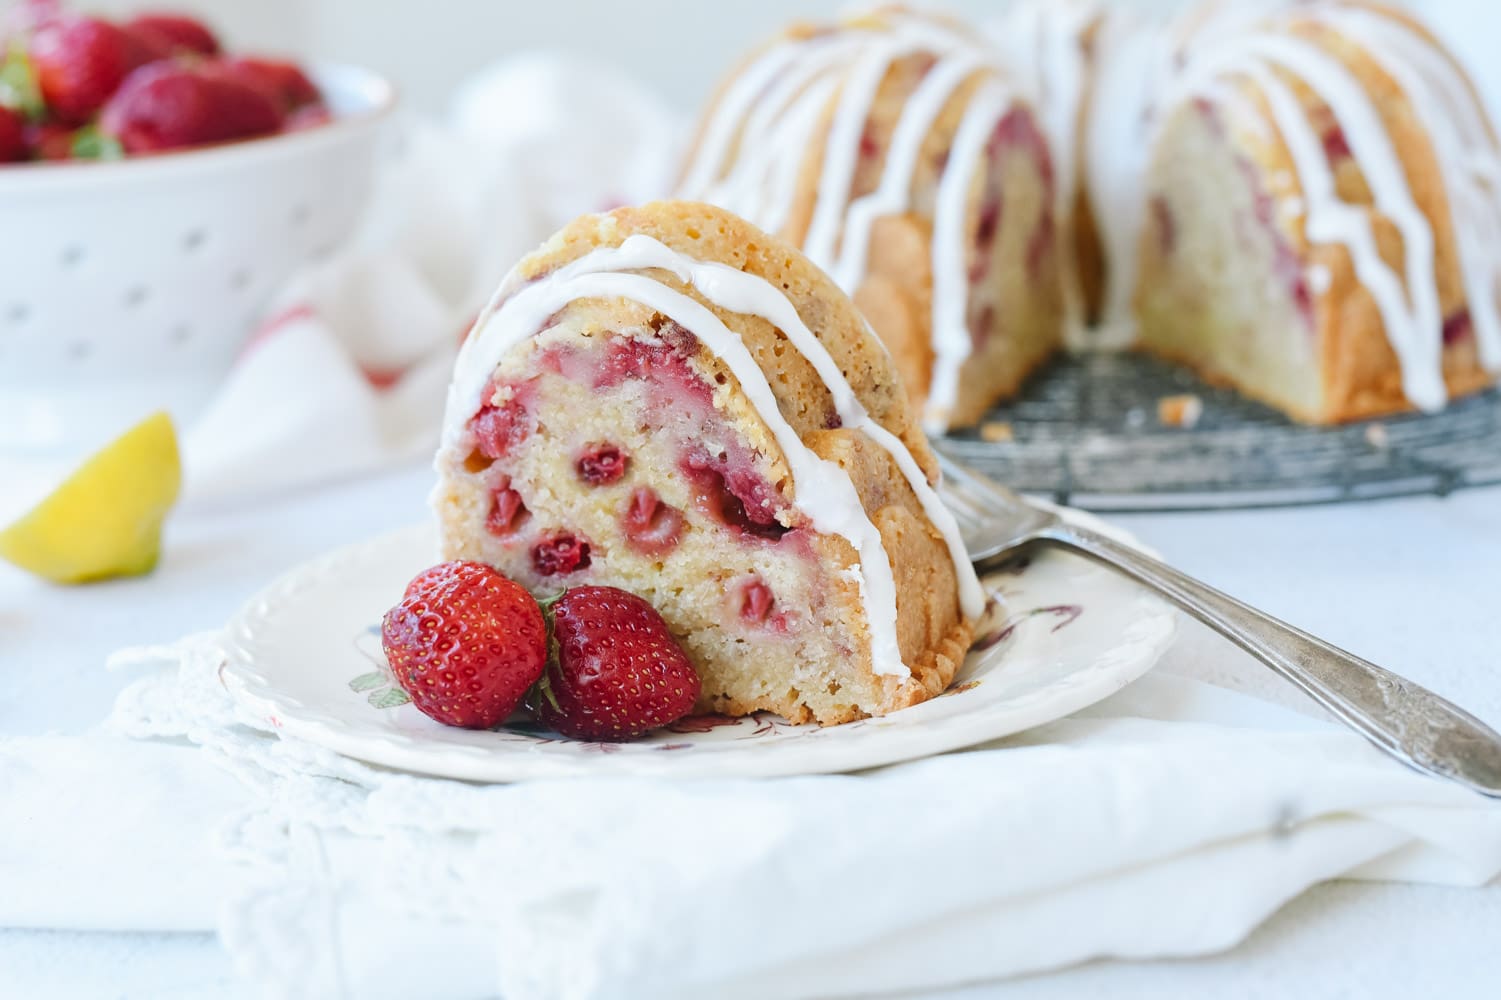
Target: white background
x=679, y=47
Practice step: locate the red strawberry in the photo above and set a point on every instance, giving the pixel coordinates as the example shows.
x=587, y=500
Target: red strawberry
x=284, y=82
x=174, y=33
x=602, y=464
x=12, y=136
x=308, y=116
x=80, y=62
x=466, y=645
x=147, y=48
x=618, y=673
x=49, y=141
x=428, y=577
x=172, y=106
x=560, y=554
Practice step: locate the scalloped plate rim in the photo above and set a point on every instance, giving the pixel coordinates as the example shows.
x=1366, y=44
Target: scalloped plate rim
x=924, y=730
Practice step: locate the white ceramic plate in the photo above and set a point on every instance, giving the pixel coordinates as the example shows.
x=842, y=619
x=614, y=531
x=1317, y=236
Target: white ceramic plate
x=305, y=655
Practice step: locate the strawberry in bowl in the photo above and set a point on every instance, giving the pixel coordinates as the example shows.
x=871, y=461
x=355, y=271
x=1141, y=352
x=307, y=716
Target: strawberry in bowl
x=13, y=145
x=171, y=105
x=87, y=88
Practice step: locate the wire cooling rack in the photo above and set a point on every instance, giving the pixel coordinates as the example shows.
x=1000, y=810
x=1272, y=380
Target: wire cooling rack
x=1088, y=432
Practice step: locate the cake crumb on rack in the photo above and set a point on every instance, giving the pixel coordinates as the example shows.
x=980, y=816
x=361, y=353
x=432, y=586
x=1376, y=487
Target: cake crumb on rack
x=996, y=431
x=1180, y=411
x=1377, y=437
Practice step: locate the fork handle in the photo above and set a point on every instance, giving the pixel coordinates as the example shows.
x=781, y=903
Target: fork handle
x=1406, y=720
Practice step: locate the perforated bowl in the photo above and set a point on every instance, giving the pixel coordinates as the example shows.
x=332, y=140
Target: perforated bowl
x=133, y=285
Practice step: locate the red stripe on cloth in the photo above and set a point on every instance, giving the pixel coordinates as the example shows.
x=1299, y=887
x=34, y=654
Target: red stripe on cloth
x=274, y=325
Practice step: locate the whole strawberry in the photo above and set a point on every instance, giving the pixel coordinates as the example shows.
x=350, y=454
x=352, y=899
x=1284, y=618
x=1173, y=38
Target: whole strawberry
x=432, y=576
x=172, y=33
x=465, y=644
x=618, y=672
x=173, y=106
x=13, y=147
x=50, y=141
x=283, y=82
x=80, y=61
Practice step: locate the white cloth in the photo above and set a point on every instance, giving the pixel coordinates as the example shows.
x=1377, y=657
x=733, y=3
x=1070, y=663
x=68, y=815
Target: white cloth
x=1169, y=820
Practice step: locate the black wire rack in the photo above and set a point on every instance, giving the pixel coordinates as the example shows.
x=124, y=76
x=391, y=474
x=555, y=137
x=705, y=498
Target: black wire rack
x=1087, y=432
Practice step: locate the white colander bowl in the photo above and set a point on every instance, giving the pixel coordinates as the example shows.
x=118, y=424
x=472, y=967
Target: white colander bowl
x=132, y=286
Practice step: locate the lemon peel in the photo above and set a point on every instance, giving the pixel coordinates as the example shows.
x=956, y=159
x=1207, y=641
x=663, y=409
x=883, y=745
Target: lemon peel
x=106, y=519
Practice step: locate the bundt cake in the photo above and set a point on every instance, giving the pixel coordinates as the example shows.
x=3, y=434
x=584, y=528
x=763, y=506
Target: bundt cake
x=894, y=152
x=668, y=400
x=1301, y=200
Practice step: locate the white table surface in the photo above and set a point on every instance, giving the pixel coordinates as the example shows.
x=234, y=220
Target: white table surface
x=1414, y=584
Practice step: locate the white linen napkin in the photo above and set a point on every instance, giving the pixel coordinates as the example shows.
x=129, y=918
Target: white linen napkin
x=1168, y=820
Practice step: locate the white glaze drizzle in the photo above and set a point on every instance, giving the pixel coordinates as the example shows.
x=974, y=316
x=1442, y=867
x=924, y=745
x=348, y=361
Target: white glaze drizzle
x=766, y=186
x=952, y=340
x=1044, y=40
x=720, y=132
x=1133, y=62
x=1137, y=85
x=762, y=182
x=1465, y=147
x=824, y=492
x=958, y=58
x=1319, y=279
x=1411, y=315
x=1242, y=109
x=1414, y=331
x=737, y=291
x=842, y=147
x=905, y=35
x=893, y=195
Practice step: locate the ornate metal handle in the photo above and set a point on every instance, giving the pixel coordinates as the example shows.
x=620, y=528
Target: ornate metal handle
x=1406, y=720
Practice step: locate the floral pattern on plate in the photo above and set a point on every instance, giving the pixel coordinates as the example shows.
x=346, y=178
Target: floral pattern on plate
x=1059, y=634
x=381, y=691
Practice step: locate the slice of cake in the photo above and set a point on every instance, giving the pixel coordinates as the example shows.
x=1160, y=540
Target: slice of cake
x=893, y=151
x=670, y=401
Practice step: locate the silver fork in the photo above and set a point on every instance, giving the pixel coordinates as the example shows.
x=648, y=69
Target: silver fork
x=1407, y=721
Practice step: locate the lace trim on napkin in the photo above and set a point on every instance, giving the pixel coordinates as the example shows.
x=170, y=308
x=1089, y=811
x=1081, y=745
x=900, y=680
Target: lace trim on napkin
x=287, y=931
x=566, y=888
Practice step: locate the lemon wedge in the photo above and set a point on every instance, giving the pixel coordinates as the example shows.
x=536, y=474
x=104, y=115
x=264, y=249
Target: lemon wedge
x=106, y=519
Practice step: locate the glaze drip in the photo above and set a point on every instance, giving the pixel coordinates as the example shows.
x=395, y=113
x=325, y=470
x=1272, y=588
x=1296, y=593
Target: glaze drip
x=824, y=493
